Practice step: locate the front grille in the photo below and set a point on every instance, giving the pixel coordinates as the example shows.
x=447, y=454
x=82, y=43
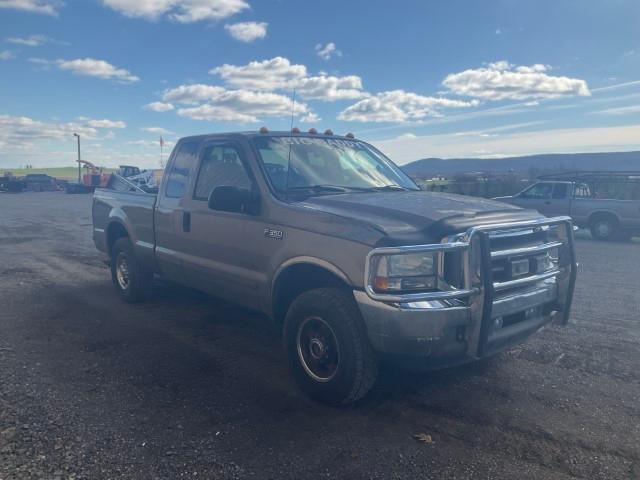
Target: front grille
x=524, y=256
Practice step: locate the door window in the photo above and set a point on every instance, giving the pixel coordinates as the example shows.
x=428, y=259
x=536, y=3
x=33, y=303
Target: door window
x=178, y=176
x=220, y=166
x=538, y=191
x=560, y=190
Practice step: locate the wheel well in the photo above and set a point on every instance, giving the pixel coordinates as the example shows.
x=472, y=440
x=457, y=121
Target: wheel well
x=114, y=232
x=297, y=279
x=594, y=217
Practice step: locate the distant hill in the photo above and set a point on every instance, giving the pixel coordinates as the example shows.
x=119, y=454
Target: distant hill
x=428, y=167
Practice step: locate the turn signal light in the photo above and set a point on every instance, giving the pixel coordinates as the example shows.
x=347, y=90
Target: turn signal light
x=381, y=284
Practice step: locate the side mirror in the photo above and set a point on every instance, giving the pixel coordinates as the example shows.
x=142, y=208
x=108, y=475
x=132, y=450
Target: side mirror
x=227, y=198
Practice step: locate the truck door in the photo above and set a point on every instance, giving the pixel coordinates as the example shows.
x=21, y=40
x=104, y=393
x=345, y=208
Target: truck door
x=560, y=201
x=219, y=258
x=535, y=197
x=171, y=219
x=549, y=198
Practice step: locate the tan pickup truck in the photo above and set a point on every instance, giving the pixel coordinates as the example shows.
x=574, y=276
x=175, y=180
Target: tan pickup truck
x=329, y=238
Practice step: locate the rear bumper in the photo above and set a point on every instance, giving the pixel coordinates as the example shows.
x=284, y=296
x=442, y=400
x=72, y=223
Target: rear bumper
x=495, y=316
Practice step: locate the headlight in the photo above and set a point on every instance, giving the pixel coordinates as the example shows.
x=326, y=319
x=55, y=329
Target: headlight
x=408, y=272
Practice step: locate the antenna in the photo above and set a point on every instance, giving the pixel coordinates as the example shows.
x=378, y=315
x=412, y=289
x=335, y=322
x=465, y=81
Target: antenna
x=293, y=109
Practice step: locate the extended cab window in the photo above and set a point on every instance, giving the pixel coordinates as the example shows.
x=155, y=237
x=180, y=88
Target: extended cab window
x=178, y=176
x=220, y=166
x=582, y=190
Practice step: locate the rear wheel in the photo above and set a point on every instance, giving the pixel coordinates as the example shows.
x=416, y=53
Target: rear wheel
x=131, y=280
x=604, y=228
x=328, y=348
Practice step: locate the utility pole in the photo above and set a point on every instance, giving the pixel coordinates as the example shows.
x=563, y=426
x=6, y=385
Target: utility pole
x=79, y=164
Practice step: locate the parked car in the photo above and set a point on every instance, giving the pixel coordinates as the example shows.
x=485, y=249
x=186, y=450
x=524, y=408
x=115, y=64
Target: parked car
x=329, y=238
x=608, y=203
x=40, y=182
x=9, y=183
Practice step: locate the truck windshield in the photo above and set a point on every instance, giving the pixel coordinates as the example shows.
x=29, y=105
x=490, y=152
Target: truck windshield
x=327, y=165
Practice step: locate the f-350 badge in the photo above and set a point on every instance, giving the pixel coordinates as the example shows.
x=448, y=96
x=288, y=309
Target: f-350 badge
x=273, y=233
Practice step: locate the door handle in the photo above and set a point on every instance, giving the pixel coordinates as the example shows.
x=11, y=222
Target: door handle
x=186, y=221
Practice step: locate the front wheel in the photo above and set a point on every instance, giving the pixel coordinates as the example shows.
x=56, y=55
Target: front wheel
x=131, y=280
x=329, y=353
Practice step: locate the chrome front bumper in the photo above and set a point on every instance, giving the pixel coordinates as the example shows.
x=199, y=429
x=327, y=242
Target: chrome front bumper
x=486, y=316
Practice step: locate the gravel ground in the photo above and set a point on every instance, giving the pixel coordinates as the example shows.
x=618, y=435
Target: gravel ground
x=186, y=386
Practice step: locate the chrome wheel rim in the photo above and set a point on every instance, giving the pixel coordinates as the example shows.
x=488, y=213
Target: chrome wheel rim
x=318, y=349
x=603, y=229
x=122, y=272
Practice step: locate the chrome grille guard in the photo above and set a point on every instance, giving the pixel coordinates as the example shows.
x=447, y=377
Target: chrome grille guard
x=475, y=247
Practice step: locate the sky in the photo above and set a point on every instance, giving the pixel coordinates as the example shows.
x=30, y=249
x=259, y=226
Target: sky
x=416, y=78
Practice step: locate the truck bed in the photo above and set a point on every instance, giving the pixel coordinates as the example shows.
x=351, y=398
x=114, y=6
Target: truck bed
x=134, y=213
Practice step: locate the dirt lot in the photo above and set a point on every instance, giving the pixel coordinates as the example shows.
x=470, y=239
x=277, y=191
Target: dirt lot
x=186, y=386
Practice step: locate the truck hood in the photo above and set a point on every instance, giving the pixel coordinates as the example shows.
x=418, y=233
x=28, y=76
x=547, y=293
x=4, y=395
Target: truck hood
x=415, y=217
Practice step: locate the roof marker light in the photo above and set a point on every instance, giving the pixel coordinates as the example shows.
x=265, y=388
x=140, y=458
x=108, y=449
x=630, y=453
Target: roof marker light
x=313, y=131
x=264, y=130
x=328, y=131
x=349, y=135
x=295, y=130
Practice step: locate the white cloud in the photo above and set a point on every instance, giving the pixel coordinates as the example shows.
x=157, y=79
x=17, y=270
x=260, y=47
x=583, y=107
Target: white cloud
x=310, y=118
x=45, y=7
x=158, y=107
x=276, y=73
x=192, y=94
x=30, y=41
x=183, y=11
x=18, y=131
x=217, y=104
x=279, y=73
x=327, y=51
x=568, y=140
x=96, y=68
x=156, y=130
x=504, y=81
x=619, y=110
x=399, y=106
x=617, y=86
x=330, y=88
x=247, y=31
x=104, y=123
x=7, y=55
x=151, y=143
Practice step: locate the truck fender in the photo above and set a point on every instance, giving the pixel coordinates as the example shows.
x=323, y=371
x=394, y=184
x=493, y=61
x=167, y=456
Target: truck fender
x=332, y=271
x=603, y=211
x=117, y=223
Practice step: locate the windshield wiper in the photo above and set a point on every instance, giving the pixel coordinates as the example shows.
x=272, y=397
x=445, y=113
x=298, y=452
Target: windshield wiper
x=391, y=187
x=318, y=188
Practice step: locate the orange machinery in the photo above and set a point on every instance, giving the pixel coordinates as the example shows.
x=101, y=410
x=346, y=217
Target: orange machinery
x=94, y=176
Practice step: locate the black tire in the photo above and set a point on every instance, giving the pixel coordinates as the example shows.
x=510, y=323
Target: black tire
x=137, y=286
x=336, y=314
x=604, y=227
